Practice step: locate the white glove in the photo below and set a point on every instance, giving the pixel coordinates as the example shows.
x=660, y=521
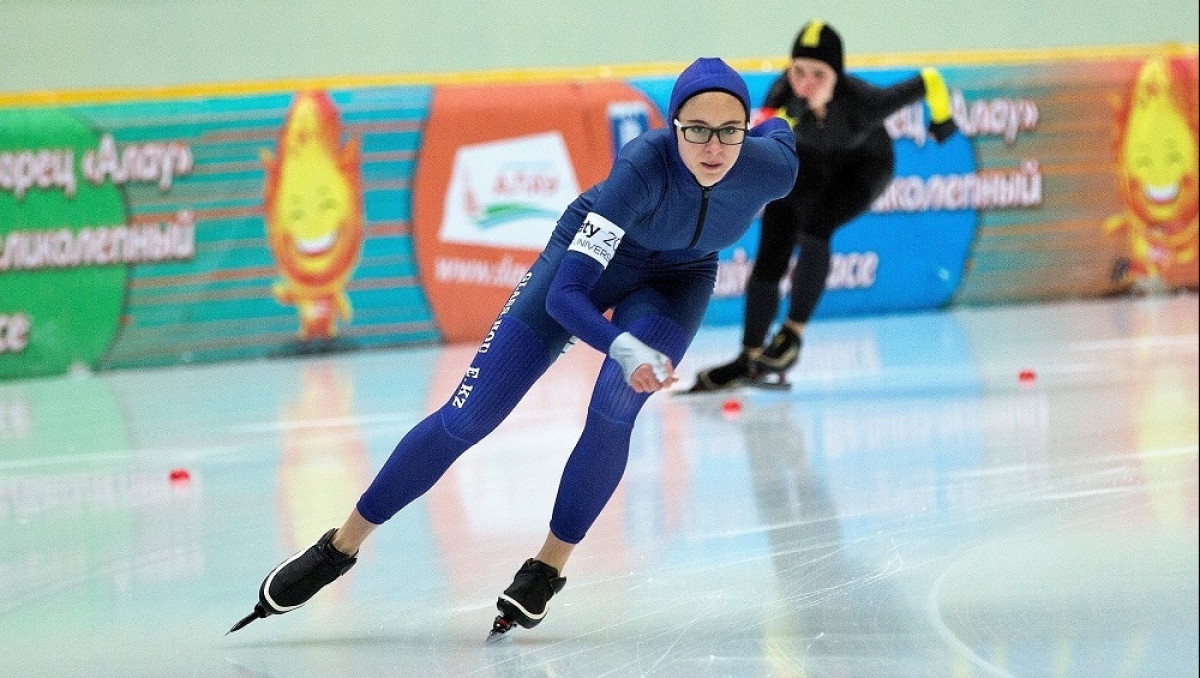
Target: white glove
x=631, y=354
x=567, y=346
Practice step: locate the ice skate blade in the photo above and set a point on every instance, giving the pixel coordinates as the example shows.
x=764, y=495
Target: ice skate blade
x=698, y=390
x=258, y=613
x=771, y=385
x=500, y=628
x=495, y=637
x=743, y=385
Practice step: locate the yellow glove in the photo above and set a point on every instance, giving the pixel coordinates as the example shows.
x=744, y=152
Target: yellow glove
x=937, y=96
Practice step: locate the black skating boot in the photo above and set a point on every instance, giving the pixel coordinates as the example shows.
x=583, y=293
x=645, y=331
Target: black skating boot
x=782, y=353
x=298, y=578
x=524, y=601
x=729, y=375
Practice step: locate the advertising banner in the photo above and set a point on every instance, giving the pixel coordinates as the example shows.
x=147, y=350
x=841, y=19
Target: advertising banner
x=157, y=231
x=1112, y=146
x=498, y=167
x=148, y=233
x=1067, y=180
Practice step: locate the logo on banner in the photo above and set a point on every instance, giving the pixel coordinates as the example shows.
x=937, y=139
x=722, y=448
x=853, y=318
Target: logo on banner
x=509, y=193
x=628, y=120
x=487, y=197
x=67, y=239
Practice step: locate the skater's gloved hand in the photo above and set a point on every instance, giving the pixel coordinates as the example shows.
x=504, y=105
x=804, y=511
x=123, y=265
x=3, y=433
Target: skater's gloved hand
x=942, y=131
x=646, y=370
x=937, y=97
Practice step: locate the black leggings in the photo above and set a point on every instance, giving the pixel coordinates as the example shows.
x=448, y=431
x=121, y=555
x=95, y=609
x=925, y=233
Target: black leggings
x=808, y=217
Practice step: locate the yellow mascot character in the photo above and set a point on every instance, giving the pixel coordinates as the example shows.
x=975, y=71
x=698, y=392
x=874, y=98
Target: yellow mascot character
x=314, y=214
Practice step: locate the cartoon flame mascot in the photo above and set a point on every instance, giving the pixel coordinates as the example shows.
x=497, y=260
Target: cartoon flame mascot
x=314, y=214
x=1156, y=145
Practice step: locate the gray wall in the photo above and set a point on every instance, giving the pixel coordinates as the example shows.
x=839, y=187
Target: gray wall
x=72, y=44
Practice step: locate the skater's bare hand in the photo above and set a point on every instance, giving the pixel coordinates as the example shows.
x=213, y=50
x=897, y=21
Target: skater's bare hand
x=643, y=379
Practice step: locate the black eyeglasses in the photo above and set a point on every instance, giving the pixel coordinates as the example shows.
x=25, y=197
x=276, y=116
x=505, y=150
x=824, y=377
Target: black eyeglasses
x=700, y=134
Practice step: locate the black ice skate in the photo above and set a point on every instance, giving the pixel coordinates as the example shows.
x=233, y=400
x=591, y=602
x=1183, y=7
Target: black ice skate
x=524, y=602
x=727, y=376
x=778, y=357
x=298, y=578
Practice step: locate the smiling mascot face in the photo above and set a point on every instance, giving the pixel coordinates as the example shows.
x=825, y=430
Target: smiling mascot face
x=313, y=200
x=1157, y=150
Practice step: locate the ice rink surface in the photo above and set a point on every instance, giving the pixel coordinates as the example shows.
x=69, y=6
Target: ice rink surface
x=910, y=508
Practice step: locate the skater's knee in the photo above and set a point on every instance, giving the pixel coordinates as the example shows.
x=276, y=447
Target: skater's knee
x=462, y=427
x=613, y=411
x=763, y=287
x=813, y=244
x=770, y=265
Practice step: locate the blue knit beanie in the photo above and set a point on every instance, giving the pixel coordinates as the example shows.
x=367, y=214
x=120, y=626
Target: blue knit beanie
x=707, y=75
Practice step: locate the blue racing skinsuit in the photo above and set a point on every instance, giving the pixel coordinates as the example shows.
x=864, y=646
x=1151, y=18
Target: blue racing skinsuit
x=642, y=243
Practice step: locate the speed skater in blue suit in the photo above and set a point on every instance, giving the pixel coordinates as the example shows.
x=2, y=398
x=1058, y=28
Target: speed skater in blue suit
x=642, y=244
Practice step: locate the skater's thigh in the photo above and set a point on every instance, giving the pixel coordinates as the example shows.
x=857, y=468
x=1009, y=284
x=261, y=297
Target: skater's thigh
x=776, y=239
x=679, y=299
x=528, y=302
